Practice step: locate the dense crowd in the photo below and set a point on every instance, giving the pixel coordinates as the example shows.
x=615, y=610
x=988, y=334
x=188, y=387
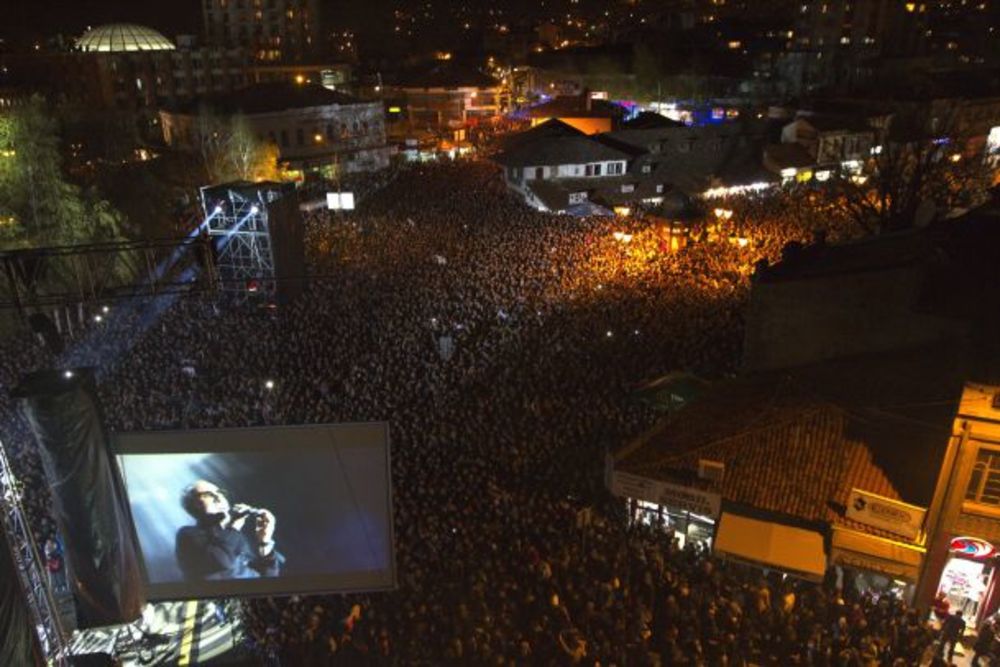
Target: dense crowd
x=504, y=347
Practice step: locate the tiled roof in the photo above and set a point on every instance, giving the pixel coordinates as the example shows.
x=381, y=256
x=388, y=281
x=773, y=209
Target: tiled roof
x=798, y=441
x=558, y=150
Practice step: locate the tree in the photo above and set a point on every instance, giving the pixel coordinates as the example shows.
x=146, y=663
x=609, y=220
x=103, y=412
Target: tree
x=921, y=163
x=231, y=151
x=37, y=204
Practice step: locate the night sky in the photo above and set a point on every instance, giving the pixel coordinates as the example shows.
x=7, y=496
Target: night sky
x=34, y=18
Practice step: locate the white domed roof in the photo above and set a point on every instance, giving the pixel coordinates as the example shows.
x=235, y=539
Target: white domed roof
x=118, y=37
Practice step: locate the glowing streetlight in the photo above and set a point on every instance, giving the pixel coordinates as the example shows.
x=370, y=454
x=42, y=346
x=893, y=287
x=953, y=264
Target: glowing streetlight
x=67, y=374
x=269, y=385
x=318, y=138
x=300, y=79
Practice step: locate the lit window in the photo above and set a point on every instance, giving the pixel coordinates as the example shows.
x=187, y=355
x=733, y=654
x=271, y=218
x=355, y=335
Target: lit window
x=984, y=483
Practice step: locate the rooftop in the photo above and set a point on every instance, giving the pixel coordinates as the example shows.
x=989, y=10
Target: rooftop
x=797, y=441
x=123, y=37
x=270, y=98
x=556, y=150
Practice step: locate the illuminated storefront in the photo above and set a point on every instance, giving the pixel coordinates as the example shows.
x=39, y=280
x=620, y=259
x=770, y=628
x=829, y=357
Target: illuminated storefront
x=969, y=576
x=689, y=512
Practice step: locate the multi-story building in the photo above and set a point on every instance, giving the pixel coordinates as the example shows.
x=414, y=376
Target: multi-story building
x=555, y=166
x=273, y=30
x=837, y=40
x=117, y=77
x=315, y=129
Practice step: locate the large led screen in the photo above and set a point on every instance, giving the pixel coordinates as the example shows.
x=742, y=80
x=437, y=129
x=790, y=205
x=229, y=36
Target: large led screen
x=261, y=511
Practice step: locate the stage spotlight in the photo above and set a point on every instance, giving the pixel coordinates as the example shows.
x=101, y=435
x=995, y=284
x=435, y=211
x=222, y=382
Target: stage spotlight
x=269, y=384
x=67, y=374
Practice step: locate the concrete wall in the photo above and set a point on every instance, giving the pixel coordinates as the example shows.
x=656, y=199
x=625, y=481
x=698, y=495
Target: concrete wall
x=802, y=321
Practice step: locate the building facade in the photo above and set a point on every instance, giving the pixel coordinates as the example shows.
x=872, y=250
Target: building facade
x=273, y=30
x=315, y=129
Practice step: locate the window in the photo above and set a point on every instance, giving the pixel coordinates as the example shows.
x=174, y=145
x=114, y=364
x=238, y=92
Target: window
x=659, y=188
x=593, y=170
x=647, y=168
x=628, y=187
x=577, y=197
x=540, y=173
x=616, y=168
x=984, y=483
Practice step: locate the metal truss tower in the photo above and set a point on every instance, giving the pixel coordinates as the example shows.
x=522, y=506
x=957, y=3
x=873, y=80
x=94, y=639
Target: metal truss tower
x=237, y=221
x=34, y=581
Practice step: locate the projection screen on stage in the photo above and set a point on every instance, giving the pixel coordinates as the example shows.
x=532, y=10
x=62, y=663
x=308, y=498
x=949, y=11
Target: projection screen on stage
x=261, y=511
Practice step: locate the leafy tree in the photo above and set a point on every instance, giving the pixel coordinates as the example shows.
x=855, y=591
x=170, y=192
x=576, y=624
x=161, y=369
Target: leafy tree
x=232, y=152
x=920, y=163
x=37, y=204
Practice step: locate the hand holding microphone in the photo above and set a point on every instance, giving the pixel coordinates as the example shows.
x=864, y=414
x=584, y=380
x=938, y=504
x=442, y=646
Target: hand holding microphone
x=263, y=528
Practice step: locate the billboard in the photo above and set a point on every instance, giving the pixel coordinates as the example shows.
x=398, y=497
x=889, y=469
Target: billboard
x=261, y=511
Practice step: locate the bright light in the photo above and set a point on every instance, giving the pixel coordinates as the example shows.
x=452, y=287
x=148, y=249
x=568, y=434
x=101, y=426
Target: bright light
x=623, y=211
x=218, y=209
x=98, y=318
x=723, y=213
x=105, y=309
x=823, y=176
x=300, y=79
x=395, y=109
x=318, y=138
x=876, y=150
x=789, y=172
x=269, y=384
x=623, y=237
x=67, y=374
x=609, y=333
x=955, y=157
x=714, y=193
x=993, y=140
x=254, y=210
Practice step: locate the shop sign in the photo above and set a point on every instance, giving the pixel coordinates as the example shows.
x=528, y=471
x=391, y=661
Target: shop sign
x=889, y=515
x=971, y=547
x=689, y=499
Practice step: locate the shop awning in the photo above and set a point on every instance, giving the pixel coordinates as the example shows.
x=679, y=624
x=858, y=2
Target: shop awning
x=850, y=548
x=793, y=550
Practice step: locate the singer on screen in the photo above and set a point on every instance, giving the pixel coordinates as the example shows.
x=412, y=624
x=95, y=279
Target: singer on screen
x=221, y=544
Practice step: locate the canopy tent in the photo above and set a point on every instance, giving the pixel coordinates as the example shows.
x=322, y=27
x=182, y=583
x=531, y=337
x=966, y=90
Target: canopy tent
x=671, y=391
x=588, y=208
x=793, y=550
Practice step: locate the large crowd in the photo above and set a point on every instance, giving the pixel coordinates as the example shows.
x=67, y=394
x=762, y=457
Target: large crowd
x=504, y=347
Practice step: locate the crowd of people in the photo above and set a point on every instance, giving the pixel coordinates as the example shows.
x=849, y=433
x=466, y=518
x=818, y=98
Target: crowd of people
x=504, y=347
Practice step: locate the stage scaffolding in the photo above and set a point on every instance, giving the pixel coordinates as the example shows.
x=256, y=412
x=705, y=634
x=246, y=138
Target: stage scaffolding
x=238, y=225
x=31, y=571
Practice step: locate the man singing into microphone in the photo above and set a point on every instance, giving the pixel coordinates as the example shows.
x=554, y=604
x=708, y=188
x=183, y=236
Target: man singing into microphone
x=217, y=547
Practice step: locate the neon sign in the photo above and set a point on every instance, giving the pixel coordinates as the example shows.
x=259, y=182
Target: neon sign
x=972, y=547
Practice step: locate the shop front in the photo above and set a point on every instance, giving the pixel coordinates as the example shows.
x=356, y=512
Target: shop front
x=969, y=578
x=875, y=565
x=689, y=512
